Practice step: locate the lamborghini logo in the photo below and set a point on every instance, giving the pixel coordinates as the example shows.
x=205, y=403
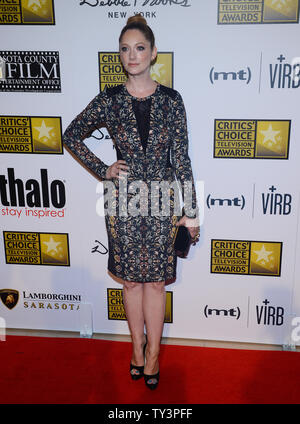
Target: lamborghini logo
x=9, y=297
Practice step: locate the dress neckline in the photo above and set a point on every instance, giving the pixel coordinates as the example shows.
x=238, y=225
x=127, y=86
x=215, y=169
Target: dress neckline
x=142, y=98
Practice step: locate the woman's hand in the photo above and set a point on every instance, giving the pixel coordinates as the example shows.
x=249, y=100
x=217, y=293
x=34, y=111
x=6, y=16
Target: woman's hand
x=192, y=225
x=117, y=169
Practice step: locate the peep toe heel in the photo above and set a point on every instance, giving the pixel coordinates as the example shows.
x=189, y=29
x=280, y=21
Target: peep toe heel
x=148, y=378
x=136, y=371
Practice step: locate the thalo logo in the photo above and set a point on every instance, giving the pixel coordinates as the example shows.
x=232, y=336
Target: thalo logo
x=32, y=193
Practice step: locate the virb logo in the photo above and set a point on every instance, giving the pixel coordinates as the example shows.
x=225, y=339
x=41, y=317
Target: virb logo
x=276, y=203
x=269, y=315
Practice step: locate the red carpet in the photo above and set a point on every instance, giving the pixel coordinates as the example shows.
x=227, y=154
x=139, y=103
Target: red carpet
x=68, y=370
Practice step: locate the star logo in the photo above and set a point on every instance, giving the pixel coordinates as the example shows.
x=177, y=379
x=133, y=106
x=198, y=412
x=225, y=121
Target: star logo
x=54, y=249
x=34, y=4
x=265, y=258
x=44, y=131
x=46, y=134
x=263, y=255
x=156, y=70
x=269, y=135
x=281, y=5
x=52, y=246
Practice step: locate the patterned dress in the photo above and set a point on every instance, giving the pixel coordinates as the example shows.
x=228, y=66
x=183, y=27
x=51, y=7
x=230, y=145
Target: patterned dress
x=142, y=209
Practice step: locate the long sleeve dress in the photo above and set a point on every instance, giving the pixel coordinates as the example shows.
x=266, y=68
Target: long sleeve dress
x=150, y=134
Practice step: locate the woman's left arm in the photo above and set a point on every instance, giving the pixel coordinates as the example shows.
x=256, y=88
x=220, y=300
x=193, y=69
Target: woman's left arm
x=183, y=168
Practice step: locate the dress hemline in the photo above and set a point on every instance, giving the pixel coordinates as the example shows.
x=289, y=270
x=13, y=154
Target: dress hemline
x=121, y=281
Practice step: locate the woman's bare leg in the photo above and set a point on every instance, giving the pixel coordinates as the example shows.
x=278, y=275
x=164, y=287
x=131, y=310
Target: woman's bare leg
x=133, y=304
x=154, y=303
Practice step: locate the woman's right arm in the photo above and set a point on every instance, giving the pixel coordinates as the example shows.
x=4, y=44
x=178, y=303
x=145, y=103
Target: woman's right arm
x=82, y=127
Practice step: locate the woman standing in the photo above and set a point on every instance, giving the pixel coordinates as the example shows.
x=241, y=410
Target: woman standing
x=147, y=123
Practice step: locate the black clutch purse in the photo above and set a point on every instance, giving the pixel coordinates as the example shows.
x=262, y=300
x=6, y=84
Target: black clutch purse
x=183, y=241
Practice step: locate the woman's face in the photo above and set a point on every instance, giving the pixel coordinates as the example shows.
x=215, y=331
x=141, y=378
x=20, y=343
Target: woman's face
x=135, y=53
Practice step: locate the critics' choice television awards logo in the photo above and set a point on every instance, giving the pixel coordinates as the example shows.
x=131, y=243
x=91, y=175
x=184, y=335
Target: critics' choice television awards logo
x=258, y=11
x=111, y=71
x=251, y=139
x=116, y=311
x=35, y=248
x=246, y=257
x=27, y=12
x=25, y=134
x=31, y=71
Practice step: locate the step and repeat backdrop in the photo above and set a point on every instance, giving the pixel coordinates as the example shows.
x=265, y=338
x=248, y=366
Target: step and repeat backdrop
x=236, y=65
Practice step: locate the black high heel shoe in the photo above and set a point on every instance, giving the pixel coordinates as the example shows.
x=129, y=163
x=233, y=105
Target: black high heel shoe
x=147, y=379
x=139, y=369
